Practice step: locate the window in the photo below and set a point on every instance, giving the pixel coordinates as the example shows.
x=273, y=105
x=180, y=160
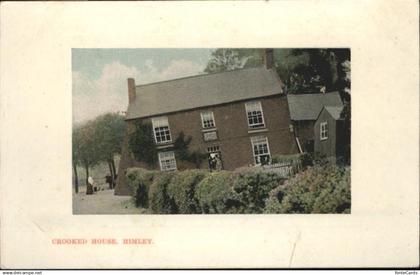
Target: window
x=323, y=130
x=161, y=129
x=261, y=150
x=167, y=161
x=254, y=114
x=213, y=149
x=207, y=120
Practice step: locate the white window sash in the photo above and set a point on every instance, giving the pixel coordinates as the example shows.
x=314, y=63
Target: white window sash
x=323, y=130
x=255, y=141
x=257, y=107
x=161, y=122
x=167, y=156
x=207, y=116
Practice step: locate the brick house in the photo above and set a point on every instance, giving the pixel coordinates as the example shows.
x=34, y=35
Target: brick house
x=304, y=111
x=242, y=116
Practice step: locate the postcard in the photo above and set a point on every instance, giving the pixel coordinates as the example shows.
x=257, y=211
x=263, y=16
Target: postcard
x=227, y=134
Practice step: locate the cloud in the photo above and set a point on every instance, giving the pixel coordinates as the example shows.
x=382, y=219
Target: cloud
x=108, y=93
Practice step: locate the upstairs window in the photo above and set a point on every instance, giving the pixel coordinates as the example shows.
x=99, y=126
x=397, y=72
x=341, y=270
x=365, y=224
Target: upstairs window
x=261, y=150
x=323, y=130
x=161, y=129
x=167, y=161
x=254, y=114
x=207, y=119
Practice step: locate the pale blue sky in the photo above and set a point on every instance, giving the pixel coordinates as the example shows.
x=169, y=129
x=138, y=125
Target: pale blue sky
x=100, y=75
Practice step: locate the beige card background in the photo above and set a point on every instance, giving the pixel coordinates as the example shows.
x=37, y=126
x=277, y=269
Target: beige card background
x=383, y=229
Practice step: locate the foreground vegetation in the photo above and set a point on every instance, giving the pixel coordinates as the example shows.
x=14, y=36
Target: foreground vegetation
x=317, y=189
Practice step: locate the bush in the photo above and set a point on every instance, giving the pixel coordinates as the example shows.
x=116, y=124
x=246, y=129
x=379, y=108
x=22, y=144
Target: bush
x=253, y=189
x=140, y=180
x=319, y=189
x=335, y=197
x=216, y=195
x=182, y=191
x=159, y=199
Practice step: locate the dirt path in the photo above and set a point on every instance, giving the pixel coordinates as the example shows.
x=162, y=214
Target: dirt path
x=103, y=202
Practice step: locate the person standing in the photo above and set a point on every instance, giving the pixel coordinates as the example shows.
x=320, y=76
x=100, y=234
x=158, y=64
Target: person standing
x=89, y=187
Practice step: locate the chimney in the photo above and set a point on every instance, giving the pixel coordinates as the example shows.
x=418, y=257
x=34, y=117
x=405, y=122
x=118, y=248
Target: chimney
x=268, y=58
x=131, y=90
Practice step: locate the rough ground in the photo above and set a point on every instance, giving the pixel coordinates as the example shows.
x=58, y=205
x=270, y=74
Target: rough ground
x=103, y=202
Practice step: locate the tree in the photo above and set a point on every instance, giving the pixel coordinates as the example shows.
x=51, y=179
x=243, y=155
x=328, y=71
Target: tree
x=109, y=134
x=142, y=145
x=227, y=60
x=86, y=147
x=75, y=158
x=301, y=70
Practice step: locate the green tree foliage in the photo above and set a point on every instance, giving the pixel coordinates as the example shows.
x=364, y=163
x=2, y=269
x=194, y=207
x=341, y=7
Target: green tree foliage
x=109, y=132
x=97, y=141
x=182, y=152
x=85, y=146
x=301, y=70
x=142, y=144
x=75, y=158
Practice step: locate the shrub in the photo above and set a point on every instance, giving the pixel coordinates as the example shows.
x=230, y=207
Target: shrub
x=140, y=180
x=142, y=145
x=216, y=195
x=182, y=191
x=335, y=197
x=253, y=188
x=159, y=199
x=319, y=189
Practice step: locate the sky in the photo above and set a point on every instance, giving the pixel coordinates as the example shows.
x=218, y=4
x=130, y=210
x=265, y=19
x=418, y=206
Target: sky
x=99, y=76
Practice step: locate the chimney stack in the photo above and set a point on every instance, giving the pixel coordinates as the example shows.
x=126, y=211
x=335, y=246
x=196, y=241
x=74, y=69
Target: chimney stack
x=268, y=57
x=131, y=90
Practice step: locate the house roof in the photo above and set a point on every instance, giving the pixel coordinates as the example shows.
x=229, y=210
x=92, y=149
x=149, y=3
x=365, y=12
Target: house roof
x=335, y=112
x=203, y=90
x=308, y=106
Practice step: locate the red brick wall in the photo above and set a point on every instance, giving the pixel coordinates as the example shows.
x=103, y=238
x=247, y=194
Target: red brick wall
x=232, y=129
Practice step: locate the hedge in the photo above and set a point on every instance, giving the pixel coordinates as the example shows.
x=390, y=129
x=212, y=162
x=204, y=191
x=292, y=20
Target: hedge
x=182, y=191
x=140, y=180
x=216, y=195
x=253, y=188
x=159, y=198
x=319, y=189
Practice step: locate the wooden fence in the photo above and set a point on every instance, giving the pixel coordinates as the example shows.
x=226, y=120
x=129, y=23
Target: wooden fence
x=285, y=169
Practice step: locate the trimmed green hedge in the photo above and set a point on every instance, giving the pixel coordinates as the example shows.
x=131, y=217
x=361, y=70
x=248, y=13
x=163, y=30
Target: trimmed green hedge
x=253, y=189
x=160, y=200
x=216, y=195
x=319, y=189
x=140, y=180
x=182, y=191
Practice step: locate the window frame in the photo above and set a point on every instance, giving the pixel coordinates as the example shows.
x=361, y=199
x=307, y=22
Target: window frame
x=156, y=124
x=249, y=109
x=323, y=130
x=165, y=158
x=255, y=141
x=202, y=114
